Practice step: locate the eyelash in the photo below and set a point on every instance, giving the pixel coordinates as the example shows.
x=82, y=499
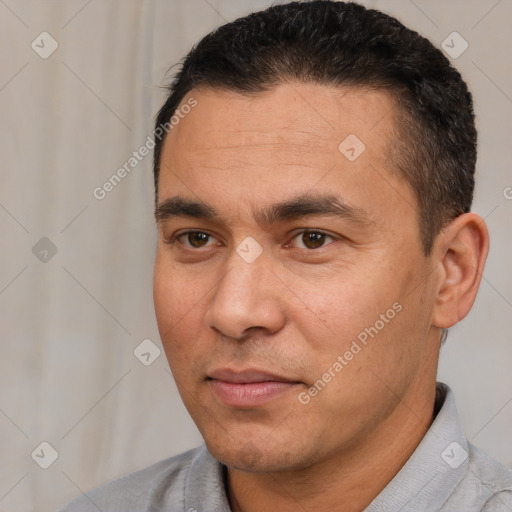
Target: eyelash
x=312, y=231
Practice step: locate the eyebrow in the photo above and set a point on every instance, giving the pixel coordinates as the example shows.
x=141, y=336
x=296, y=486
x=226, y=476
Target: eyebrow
x=295, y=208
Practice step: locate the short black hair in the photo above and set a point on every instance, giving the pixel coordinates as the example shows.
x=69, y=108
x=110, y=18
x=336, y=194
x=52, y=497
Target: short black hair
x=347, y=45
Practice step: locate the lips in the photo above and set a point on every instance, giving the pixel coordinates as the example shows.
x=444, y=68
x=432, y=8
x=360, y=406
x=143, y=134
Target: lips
x=248, y=388
x=246, y=376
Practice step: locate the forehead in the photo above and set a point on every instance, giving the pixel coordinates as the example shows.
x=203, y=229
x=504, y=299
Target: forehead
x=296, y=119
x=288, y=141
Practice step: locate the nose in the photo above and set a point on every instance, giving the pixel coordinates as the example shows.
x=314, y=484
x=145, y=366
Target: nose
x=246, y=299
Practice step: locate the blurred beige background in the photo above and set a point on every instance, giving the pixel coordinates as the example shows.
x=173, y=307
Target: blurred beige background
x=75, y=305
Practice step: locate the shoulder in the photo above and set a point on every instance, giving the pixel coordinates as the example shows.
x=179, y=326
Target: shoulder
x=140, y=490
x=486, y=485
x=494, y=479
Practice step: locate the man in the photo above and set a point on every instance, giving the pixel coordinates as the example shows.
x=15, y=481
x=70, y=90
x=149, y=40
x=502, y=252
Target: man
x=315, y=242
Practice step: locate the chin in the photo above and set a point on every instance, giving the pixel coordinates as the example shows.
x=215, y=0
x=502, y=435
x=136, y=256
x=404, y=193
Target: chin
x=258, y=457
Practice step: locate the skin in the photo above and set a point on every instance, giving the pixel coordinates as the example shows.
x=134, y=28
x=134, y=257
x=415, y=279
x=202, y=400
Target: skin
x=300, y=305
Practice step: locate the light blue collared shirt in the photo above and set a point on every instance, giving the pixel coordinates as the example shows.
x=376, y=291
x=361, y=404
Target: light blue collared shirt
x=445, y=473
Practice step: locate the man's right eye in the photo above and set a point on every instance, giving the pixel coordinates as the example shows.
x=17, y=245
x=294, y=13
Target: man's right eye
x=193, y=239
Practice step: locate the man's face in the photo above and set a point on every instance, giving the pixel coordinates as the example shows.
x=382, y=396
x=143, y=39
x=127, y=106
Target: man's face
x=275, y=286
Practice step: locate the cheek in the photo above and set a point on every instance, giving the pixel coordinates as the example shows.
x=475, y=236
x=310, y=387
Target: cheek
x=342, y=308
x=164, y=297
x=178, y=302
x=363, y=321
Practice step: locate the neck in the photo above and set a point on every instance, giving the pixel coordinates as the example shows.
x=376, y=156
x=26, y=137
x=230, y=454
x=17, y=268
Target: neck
x=350, y=479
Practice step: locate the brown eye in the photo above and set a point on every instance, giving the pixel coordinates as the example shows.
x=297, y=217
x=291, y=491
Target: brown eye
x=312, y=239
x=195, y=239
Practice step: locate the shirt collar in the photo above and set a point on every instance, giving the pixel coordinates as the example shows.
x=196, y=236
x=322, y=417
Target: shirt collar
x=435, y=468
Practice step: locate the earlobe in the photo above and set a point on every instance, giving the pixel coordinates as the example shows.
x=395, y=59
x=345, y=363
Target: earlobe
x=462, y=247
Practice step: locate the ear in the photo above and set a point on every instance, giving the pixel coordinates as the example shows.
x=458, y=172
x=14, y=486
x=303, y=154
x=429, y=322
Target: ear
x=461, y=249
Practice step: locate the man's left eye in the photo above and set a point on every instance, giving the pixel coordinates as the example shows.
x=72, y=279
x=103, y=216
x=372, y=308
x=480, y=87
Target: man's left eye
x=312, y=239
